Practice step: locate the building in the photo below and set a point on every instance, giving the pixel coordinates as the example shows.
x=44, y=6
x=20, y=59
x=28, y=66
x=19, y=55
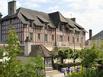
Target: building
x=96, y=40
x=47, y=29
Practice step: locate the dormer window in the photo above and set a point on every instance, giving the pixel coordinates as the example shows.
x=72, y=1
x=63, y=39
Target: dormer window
x=31, y=23
x=46, y=27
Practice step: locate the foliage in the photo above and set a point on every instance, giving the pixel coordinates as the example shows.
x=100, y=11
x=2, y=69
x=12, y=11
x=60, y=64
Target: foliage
x=63, y=55
x=9, y=53
x=68, y=54
x=11, y=67
x=88, y=57
x=84, y=73
x=33, y=68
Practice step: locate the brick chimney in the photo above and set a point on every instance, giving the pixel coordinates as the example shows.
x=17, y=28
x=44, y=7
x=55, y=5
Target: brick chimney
x=27, y=46
x=73, y=19
x=90, y=34
x=0, y=15
x=11, y=7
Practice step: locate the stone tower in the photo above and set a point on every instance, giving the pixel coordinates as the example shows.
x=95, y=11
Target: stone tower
x=27, y=46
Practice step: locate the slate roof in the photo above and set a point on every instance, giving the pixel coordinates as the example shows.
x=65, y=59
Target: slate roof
x=41, y=18
x=57, y=17
x=98, y=36
x=37, y=50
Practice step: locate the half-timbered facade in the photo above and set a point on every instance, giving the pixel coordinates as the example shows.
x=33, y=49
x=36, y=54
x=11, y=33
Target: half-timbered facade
x=48, y=29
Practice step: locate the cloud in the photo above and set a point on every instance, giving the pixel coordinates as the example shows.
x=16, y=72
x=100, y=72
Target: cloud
x=21, y=3
x=87, y=12
x=35, y=1
x=3, y=6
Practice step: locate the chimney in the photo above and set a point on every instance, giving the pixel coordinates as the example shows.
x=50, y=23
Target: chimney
x=0, y=15
x=11, y=7
x=73, y=19
x=90, y=34
x=27, y=47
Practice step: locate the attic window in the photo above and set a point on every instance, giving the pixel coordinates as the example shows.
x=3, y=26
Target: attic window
x=46, y=26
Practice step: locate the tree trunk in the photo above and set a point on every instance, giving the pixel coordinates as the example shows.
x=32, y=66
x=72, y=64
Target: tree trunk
x=53, y=62
x=61, y=60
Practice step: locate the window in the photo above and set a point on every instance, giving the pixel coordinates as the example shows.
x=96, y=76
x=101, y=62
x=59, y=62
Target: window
x=31, y=23
x=39, y=36
x=61, y=29
x=77, y=39
x=31, y=36
x=82, y=39
x=46, y=26
x=46, y=37
x=68, y=38
x=52, y=37
x=73, y=40
x=61, y=38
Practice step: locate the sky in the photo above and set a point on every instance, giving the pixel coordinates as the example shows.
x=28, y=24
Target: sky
x=88, y=13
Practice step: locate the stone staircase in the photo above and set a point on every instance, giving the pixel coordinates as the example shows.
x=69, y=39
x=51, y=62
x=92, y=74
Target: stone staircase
x=54, y=73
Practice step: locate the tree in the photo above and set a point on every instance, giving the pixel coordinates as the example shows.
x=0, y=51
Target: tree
x=88, y=57
x=11, y=67
x=63, y=55
x=33, y=68
x=10, y=52
x=74, y=55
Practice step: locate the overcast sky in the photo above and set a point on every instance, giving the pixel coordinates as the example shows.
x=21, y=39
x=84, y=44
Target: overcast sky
x=88, y=13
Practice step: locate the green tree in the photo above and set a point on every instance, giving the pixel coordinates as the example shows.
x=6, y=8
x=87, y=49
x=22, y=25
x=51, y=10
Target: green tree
x=10, y=52
x=75, y=55
x=88, y=57
x=33, y=68
x=11, y=67
x=63, y=55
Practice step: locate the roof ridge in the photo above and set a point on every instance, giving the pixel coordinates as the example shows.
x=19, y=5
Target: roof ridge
x=98, y=33
x=32, y=10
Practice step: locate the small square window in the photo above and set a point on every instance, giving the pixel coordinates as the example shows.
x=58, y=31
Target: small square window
x=77, y=39
x=52, y=37
x=39, y=36
x=31, y=36
x=61, y=38
x=68, y=38
x=73, y=40
x=46, y=37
